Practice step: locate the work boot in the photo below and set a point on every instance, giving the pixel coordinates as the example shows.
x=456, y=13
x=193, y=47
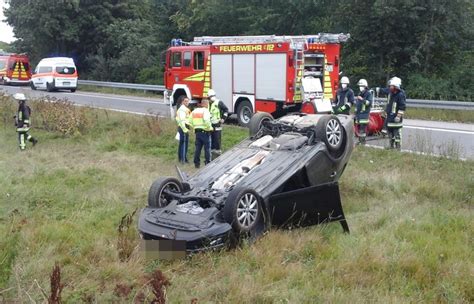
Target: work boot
x=398, y=146
x=392, y=144
x=34, y=141
x=197, y=166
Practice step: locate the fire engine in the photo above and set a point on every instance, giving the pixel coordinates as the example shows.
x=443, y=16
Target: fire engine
x=269, y=73
x=14, y=68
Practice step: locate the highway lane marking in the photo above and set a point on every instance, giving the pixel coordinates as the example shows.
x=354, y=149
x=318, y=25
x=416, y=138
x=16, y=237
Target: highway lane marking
x=440, y=130
x=119, y=98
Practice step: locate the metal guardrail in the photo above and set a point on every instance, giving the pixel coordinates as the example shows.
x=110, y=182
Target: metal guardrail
x=123, y=85
x=418, y=103
x=437, y=104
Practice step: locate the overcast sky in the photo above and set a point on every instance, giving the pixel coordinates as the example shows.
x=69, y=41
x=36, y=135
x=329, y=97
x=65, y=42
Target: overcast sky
x=6, y=33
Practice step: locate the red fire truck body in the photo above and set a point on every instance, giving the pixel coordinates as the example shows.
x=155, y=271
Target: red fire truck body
x=14, y=69
x=253, y=73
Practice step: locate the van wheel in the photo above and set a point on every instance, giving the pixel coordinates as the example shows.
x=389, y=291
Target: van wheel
x=32, y=86
x=244, y=113
x=49, y=87
x=73, y=90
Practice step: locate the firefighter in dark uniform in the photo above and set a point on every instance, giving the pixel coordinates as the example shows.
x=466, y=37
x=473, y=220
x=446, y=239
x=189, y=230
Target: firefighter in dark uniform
x=363, y=105
x=200, y=121
x=23, y=121
x=396, y=105
x=219, y=113
x=344, y=98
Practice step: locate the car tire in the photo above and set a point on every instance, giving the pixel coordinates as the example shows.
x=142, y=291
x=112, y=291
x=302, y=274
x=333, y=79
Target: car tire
x=256, y=121
x=49, y=86
x=244, y=113
x=73, y=90
x=156, y=197
x=32, y=86
x=243, y=211
x=330, y=131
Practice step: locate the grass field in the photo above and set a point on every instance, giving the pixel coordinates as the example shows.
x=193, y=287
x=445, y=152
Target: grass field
x=411, y=220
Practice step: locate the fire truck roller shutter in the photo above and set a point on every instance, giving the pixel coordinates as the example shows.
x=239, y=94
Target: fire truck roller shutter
x=221, y=78
x=244, y=74
x=271, y=76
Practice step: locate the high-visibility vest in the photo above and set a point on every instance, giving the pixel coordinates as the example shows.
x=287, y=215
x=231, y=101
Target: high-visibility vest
x=215, y=112
x=182, y=117
x=201, y=119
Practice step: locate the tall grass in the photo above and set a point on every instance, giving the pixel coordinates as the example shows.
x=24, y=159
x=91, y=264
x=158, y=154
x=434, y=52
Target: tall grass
x=62, y=201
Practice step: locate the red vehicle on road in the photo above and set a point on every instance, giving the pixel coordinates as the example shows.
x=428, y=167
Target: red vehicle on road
x=14, y=69
x=254, y=73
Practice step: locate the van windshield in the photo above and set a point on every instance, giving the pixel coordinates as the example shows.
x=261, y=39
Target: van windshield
x=65, y=70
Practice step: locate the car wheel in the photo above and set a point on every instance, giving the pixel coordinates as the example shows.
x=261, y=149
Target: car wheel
x=32, y=86
x=157, y=197
x=256, y=121
x=73, y=90
x=330, y=131
x=244, y=113
x=49, y=87
x=243, y=210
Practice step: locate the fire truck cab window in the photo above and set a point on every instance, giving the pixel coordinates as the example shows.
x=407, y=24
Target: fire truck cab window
x=3, y=64
x=176, y=60
x=187, y=59
x=199, y=60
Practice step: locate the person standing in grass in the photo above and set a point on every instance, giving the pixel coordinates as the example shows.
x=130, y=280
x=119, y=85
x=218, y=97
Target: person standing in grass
x=200, y=121
x=23, y=121
x=363, y=105
x=182, y=119
x=219, y=113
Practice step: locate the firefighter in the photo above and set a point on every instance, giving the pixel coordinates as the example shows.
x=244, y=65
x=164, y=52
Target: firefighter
x=219, y=113
x=182, y=119
x=200, y=121
x=363, y=105
x=23, y=122
x=344, y=98
x=396, y=104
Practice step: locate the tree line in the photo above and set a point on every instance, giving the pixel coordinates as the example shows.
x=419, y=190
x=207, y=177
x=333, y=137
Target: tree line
x=428, y=43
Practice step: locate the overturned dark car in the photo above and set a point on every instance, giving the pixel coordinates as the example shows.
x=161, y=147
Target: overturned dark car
x=285, y=173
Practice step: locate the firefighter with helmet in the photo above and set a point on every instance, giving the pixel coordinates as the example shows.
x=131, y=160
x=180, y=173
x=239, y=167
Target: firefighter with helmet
x=396, y=105
x=344, y=98
x=23, y=121
x=363, y=105
x=182, y=119
x=219, y=113
x=200, y=121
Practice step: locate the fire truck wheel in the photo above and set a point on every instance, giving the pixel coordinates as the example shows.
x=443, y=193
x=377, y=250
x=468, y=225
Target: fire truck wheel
x=256, y=121
x=330, y=131
x=244, y=113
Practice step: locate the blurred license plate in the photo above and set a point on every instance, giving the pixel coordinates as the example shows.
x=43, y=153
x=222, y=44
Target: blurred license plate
x=66, y=83
x=163, y=249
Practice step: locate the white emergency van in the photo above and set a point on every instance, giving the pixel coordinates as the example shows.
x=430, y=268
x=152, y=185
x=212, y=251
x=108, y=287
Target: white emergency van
x=56, y=73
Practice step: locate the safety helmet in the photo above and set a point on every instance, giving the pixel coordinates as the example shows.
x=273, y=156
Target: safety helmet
x=345, y=80
x=396, y=82
x=19, y=96
x=211, y=93
x=362, y=83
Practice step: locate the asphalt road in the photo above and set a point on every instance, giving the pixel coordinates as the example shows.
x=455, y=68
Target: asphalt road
x=431, y=137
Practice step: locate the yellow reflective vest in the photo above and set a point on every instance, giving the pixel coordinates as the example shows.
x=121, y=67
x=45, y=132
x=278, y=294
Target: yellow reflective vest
x=200, y=119
x=215, y=112
x=182, y=117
